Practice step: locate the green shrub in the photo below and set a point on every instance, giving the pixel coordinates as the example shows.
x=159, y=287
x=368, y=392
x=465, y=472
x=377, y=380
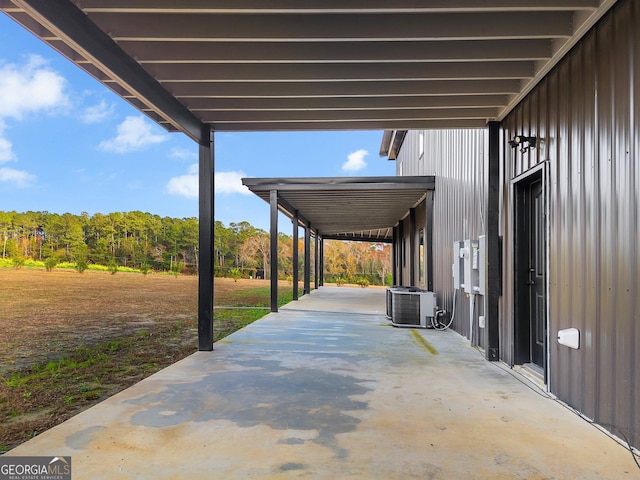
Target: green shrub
x=175, y=270
x=145, y=268
x=112, y=267
x=50, y=263
x=363, y=282
x=235, y=273
x=81, y=265
x=18, y=261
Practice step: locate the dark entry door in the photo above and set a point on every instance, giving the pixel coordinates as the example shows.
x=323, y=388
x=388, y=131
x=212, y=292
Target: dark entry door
x=530, y=328
x=536, y=274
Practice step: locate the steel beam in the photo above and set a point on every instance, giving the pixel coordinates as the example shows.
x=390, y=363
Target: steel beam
x=350, y=184
x=416, y=102
x=273, y=258
x=352, y=52
x=401, y=253
x=309, y=72
x=206, y=240
x=342, y=122
x=357, y=238
x=77, y=30
x=319, y=116
x=394, y=257
x=307, y=259
x=295, y=254
x=322, y=6
x=371, y=115
x=316, y=262
x=429, y=238
x=486, y=25
x=184, y=90
x=492, y=330
x=286, y=208
x=412, y=247
x=322, y=261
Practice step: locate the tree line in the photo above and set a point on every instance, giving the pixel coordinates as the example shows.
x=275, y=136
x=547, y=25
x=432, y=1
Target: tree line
x=145, y=241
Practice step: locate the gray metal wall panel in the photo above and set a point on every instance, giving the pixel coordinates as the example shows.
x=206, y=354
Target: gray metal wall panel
x=634, y=260
x=591, y=228
x=458, y=160
x=605, y=335
x=624, y=194
x=585, y=113
x=407, y=163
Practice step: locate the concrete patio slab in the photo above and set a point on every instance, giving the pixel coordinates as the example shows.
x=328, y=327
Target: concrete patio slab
x=326, y=389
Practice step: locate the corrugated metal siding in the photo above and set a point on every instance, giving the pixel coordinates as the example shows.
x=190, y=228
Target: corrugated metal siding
x=408, y=162
x=585, y=113
x=458, y=160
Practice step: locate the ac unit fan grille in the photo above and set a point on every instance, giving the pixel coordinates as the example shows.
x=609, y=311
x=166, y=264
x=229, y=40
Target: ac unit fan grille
x=406, y=310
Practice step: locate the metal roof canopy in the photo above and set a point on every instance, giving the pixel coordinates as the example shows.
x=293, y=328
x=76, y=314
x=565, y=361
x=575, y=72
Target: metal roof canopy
x=251, y=65
x=347, y=208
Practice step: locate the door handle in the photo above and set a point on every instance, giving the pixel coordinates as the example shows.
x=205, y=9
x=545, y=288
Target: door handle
x=530, y=281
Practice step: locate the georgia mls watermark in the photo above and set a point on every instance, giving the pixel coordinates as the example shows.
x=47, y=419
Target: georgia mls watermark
x=35, y=468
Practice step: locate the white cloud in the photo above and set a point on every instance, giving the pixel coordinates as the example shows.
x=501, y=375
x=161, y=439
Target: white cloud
x=25, y=89
x=133, y=134
x=225, y=182
x=184, y=154
x=18, y=177
x=29, y=88
x=230, y=182
x=6, y=150
x=97, y=113
x=6, y=147
x=355, y=161
x=185, y=185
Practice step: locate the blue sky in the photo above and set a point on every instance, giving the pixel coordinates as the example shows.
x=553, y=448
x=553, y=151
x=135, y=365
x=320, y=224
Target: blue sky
x=68, y=144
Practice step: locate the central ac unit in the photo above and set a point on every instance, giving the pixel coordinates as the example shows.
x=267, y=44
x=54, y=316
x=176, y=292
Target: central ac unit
x=412, y=308
x=390, y=291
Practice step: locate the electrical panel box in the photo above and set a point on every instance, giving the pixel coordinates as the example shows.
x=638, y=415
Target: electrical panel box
x=471, y=273
x=457, y=266
x=469, y=265
x=475, y=266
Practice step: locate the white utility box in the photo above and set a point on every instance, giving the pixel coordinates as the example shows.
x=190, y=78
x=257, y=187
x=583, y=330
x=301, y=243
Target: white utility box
x=569, y=337
x=458, y=265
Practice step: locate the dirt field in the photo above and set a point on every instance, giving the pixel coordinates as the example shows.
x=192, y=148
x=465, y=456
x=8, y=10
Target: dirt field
x=70, y=340
x=44, y=315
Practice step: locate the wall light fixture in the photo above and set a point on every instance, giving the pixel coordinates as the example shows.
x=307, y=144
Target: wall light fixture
x=525, y=143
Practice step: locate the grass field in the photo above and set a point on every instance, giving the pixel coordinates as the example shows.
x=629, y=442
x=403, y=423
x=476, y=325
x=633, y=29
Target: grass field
x=70, y=340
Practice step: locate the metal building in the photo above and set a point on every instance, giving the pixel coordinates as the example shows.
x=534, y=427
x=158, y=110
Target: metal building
x=564, y=207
